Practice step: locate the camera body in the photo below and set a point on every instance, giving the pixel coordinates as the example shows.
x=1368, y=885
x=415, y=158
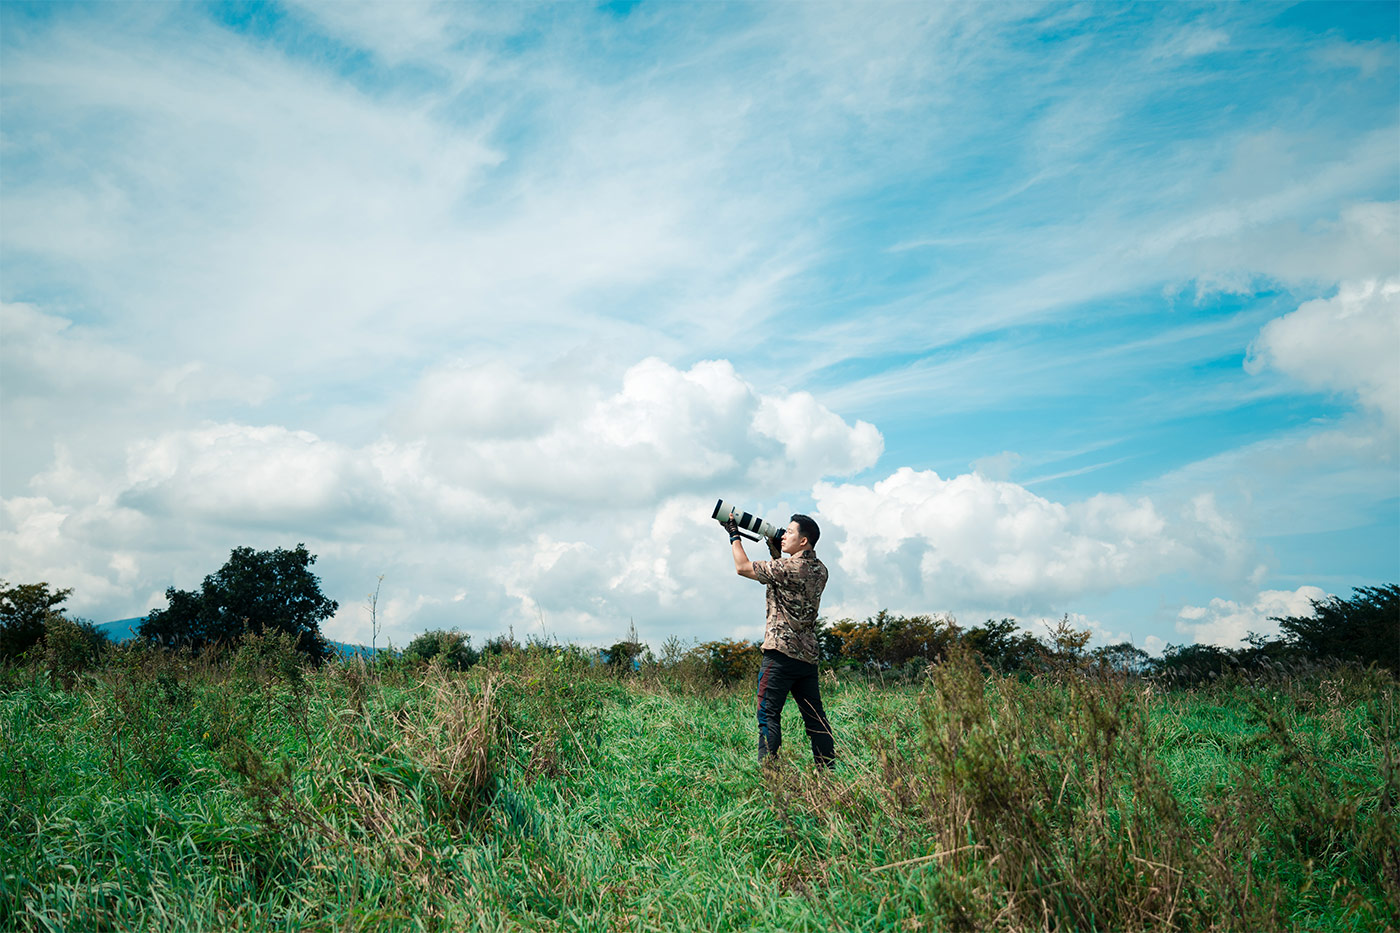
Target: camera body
x=724, y=511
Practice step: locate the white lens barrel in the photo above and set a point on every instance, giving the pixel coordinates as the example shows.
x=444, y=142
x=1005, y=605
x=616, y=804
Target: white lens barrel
x=724, y=511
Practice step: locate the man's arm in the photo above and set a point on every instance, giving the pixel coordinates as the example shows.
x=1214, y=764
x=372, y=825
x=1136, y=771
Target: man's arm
x=742, y=565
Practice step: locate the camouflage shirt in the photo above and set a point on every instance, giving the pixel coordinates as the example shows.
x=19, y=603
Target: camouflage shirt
x=794, y=596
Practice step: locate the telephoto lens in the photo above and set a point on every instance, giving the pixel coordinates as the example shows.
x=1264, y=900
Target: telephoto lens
x=752, y=523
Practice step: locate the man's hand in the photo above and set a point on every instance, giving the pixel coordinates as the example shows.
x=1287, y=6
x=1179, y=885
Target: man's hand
x=732, y=527
x=775, y=546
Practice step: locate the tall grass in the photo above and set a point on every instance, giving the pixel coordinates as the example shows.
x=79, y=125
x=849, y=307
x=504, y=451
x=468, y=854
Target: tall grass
x=537, y=791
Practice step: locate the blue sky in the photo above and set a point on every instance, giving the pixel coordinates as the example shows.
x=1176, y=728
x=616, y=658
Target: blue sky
x=1040, y=309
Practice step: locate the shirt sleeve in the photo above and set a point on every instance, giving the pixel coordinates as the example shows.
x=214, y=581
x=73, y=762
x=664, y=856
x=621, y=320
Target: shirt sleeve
x=763, y=571
x=782, y=573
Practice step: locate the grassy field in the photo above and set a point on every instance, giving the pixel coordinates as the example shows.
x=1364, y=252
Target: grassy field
x=535, y=791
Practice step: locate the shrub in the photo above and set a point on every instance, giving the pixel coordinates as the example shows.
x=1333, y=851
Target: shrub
x=500, y=644
x=732, y=661
x=1003, y=646
x=269, y=658
x=452, y=649
x=680, y=666
x=1123, y=658
x=890, y=641
x=149, y=701
x=1187, y=665
x=72, y=646
x=625, y=656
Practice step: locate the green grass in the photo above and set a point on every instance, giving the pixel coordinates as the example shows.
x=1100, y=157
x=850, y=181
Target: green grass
x=535, y=792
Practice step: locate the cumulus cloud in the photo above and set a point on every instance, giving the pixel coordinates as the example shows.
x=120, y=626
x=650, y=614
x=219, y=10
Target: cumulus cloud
x=1347, y=343
x=555, y=499
x=42, y=540
x=664, y=432
x=932, y=540
x=1226, y=623
x=240, y=474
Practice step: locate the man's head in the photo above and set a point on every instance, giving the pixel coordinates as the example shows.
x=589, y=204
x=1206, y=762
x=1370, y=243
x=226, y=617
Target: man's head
x=801, y=535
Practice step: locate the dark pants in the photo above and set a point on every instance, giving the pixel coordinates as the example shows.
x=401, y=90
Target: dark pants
x=778, y=676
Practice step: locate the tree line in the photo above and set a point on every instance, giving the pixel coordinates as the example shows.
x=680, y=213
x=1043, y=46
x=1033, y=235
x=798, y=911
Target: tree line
x=276, y=592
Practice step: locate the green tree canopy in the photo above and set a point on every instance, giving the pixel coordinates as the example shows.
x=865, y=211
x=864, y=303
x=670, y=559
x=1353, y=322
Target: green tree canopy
x=454, y=648
x=256, y=591
x=24, y=610
x=1364, y=629
x=1003, y=646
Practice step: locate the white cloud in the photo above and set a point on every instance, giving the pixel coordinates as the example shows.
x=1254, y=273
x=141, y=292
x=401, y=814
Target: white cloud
x=917, y=538
x=404, y=31
x=665, y=432
x=1189, y=43
x=1348, y=343
x=361, y=228
x=242, y=475
x=1376, y=57
x=1320, y=477
x=1226, y=622
x=555, y=496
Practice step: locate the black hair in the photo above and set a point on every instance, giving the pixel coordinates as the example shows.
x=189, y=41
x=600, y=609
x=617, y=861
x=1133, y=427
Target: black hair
x=807, y=528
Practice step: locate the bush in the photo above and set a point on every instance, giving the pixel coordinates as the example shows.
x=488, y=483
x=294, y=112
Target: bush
x=1003, y=646
x=1123, y=658
x=500, y=645
x=890, y=641
x=625, y=656
x=453, y=649
x=680, y=667
x=269, y=658
x=72, y=646
x=732, y=661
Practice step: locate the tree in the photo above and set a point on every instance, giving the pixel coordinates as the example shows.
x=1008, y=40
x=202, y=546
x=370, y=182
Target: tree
x=72, y=646
x=1187, y=665
x=1364, y=629
x=1003, y=646
x=889, y=640
x=255, y=591
x=24, y=611
x=732, y=660
x=1123, y=658
x=454, y=648
x=625, y=656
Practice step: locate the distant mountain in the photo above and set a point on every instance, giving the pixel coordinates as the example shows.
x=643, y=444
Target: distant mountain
x=126, y=629
x=122, y=629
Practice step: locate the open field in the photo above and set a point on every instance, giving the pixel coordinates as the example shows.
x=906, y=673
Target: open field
x=537, y=791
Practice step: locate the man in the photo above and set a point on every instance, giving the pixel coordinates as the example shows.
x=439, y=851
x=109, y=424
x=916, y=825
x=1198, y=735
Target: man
x=795, y=585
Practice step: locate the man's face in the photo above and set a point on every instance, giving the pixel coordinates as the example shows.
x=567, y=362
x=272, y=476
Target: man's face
x=793, y=540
